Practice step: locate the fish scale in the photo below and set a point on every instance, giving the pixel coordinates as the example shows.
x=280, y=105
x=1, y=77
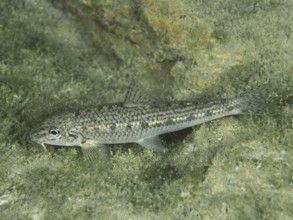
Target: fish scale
x=139, y=119
x=136, y=121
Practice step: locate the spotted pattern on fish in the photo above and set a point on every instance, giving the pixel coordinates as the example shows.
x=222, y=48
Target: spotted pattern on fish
x=138, y=119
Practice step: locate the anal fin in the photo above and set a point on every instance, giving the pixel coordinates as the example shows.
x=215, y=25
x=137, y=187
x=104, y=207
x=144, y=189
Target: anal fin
x=152, y=143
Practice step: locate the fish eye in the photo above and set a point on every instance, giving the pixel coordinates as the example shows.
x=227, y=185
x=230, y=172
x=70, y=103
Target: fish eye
x=54, y=131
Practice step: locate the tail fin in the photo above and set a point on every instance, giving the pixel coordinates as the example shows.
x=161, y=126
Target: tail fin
x=255, y=102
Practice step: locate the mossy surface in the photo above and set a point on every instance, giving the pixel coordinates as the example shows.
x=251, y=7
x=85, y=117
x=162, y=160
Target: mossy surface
x=238, y=167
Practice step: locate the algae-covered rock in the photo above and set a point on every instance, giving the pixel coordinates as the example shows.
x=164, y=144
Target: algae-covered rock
x=153, y=36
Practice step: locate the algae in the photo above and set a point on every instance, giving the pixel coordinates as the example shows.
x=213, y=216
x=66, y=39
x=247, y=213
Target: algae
x=233, y=168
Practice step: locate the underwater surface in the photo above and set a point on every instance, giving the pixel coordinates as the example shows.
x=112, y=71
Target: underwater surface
x=60, y=55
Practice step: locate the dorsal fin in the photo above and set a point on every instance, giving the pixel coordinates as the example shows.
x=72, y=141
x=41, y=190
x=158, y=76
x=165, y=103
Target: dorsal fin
x=135, y=96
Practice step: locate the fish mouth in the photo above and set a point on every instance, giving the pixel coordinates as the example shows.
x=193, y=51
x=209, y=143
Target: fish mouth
x=44, y=146
x=40, y=143
x=35, y=139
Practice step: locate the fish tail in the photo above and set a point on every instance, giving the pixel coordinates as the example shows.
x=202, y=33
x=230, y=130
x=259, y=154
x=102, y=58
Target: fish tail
x=256, y=102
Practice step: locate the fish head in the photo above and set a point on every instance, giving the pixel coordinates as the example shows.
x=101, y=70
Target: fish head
x=57, y=131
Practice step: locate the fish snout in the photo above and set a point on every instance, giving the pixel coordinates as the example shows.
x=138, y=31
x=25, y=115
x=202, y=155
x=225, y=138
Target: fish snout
x=36, y=135
x=32, y=134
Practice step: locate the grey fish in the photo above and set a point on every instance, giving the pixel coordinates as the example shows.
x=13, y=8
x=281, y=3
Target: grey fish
x=139, y=119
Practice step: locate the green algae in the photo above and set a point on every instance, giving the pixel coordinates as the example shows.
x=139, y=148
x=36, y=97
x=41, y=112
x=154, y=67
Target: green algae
x=233, y=168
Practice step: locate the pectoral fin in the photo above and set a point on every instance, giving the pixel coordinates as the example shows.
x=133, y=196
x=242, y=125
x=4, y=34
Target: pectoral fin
x=92, y=150
x=152, y=143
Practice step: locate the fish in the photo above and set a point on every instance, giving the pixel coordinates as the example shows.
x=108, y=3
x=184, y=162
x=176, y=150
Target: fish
x=139, y=119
